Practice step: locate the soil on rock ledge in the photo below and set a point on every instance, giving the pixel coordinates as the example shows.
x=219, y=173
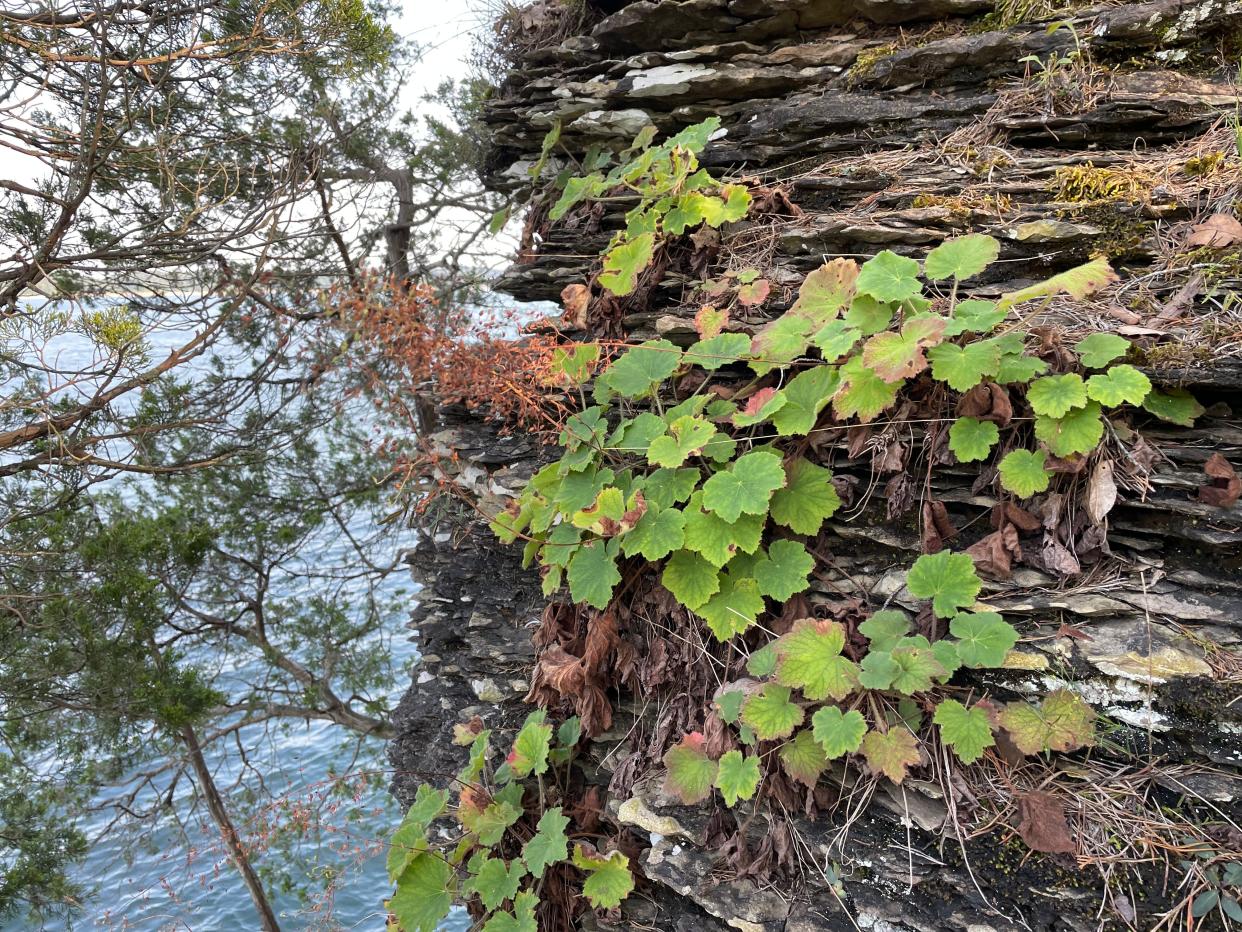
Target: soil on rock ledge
x=895, y=124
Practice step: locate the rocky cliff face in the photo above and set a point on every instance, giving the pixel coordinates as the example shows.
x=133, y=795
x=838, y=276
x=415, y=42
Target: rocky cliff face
x=871, y=124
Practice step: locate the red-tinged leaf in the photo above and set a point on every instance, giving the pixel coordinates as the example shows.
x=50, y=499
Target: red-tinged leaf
x=754, y=293
x=709, y=321
x=691, y=773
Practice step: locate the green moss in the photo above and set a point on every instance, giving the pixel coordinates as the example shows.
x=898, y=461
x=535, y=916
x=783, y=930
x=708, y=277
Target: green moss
x=1205, y=164
x=1085, y=184
x=867, y=59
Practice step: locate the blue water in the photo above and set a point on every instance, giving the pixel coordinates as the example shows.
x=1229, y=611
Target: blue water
x=176, y=875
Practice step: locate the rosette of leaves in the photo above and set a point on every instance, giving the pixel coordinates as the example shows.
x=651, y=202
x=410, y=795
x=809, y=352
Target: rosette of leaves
x=503, y=851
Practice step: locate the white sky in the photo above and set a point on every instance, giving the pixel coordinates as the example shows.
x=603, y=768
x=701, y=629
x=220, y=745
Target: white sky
x=444, y=28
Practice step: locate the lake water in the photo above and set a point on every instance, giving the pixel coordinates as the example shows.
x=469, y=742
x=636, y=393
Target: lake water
x=180, y=878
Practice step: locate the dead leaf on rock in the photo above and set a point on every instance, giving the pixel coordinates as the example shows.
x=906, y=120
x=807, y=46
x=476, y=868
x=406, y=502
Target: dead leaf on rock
x=562, y=671
x=937, y=526
x=995, y=553
x=1217, y=231
x=1042, y=824
x=987, y=401
x=576, y=299
x=1223, y=486
x=1101, y=494
x=1057, y=559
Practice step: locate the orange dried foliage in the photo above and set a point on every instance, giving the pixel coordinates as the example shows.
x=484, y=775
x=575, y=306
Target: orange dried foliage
x=416, y=350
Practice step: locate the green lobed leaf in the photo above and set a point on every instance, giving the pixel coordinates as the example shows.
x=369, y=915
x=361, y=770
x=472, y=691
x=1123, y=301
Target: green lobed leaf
x=737, y=777
x=878, y=670
x=717, y=540
x=642, y=368
x=779, y=343
x=961, y=257
x=803, y=758
x=1014, y=367
x=411, y=836
x=690, y=772
x=984, y=638
x=424, y=893
x=868, y=316
x=1023, y=473
x=609, y=880
x=686, y=437
x=971, y=439
x=1119, y=385
x=1099, y=349
x=809, y=658
x=759, y=407
x=490, y=822
x=1057, y=395
x=657, y=534
x=625, y=262
x=667, y=487
x=531, y=746
x=762, y=662
x=719, y=350
x=770, y=713
x=862, y=394
x=733, y=609
x=494, y=881
x=805, y=396
x=974, y=316
x=887, y=276
x=891, y=753
x=807, y=499
x=947, y=578
x=593, y=573
x=896, y=356
x=746, y=486
x=1175, y=405
x=964, y=367
x=785, y=571
x=1062, y=722
x=825, y=292
x=637, y=434
x=1080, y=431
x=836, y=732
x=729, y=705
x=571, y=365
x=691, y=579
x=885, y=629
x=967, y=731
x=522, y=919
x=836, y=338
x=916, y=665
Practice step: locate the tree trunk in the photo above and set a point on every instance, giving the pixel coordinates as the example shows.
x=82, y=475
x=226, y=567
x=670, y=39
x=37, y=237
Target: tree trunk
x=232, y=841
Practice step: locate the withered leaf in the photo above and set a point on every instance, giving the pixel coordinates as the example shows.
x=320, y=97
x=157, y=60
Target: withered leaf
x=1101, y=493
x=1217, y=231
x=1223, y=487
x=1042, y=824
x=576, y=299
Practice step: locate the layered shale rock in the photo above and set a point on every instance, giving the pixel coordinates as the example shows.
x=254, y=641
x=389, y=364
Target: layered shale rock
x=896, y=124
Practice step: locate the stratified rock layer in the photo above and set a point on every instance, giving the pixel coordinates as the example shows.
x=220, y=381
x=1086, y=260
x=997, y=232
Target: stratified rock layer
x=895, y=124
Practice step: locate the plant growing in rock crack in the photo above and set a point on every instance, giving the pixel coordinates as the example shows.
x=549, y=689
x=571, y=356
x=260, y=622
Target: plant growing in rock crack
x=506, y=839
x=716, y=497
x=719, y=498
x=673, y=196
